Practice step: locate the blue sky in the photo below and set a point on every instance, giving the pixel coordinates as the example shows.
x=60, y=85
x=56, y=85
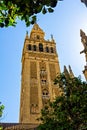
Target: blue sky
x=65, y=23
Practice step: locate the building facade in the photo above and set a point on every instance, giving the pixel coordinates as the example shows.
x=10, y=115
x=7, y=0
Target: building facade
x=40, y=65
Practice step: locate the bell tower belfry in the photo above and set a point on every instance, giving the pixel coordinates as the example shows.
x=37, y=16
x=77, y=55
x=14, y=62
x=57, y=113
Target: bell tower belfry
x=39, y=68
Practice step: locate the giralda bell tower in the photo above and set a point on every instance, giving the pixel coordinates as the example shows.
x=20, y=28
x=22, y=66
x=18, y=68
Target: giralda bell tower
x=39, y=68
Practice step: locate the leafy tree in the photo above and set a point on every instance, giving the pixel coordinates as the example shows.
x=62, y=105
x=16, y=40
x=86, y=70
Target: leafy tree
x=1, y=112
x=1, y=109
x=10, y=10
x=68, y=111
x=27, y=10
x=85, y=2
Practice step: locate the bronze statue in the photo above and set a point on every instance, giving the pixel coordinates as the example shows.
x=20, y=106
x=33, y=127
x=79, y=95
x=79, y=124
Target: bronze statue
x=84, y=41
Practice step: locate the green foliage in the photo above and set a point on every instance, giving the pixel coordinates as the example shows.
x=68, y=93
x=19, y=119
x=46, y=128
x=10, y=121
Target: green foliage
x=68, y=111
x=85, y=2
x=1, y=112
x=1, y=109
x=1, y=128
x=27, y=10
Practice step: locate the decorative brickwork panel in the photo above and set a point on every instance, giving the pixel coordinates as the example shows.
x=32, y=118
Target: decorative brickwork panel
x=34, y=99
x=34, y=95
x=52, y=71
x=33, y=82
x=33, y=70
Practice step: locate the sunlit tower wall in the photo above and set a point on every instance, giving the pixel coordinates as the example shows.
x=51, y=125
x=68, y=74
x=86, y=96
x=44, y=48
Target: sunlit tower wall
x=40, y=65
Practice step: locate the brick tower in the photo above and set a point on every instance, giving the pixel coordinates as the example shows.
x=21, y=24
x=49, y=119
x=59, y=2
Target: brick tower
x=39, y=68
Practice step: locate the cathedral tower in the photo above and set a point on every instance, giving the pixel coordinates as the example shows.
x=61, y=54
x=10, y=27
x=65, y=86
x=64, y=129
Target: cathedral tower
x=39, y=68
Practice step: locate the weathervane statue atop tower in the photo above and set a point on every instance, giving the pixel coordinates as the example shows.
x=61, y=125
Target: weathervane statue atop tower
x=84, y=41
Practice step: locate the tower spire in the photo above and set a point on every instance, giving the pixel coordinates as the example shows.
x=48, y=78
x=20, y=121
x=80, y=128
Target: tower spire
x=66, y=71
x=71, y=72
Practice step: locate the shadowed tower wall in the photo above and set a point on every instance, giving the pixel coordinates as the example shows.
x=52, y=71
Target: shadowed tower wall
x=39, y=68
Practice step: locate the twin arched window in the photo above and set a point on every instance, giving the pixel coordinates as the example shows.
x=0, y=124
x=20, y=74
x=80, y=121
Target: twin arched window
x=45, y=92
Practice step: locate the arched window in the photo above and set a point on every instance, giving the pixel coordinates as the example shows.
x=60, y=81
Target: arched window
x=52, y=51
x=45, y=92
x=40, y=47
x=43, y=81
x=47, y=49
x=34, y=47
x=29, y=47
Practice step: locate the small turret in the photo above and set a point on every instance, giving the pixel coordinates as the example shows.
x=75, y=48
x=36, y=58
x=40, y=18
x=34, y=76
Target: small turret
x=71, y=72
x=68, y=73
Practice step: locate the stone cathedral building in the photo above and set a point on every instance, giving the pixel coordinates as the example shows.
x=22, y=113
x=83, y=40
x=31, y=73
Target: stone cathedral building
x=40, y=65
